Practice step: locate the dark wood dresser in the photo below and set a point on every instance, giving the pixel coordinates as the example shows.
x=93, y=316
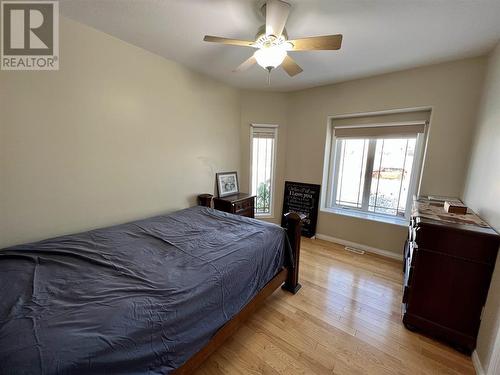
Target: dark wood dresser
x=449, y=260
x=239, y=204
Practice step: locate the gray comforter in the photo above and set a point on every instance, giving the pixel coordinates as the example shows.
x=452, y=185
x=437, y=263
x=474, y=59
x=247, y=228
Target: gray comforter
x=136, y=298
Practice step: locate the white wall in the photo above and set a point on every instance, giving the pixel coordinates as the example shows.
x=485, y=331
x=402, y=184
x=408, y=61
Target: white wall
x=482, y=193
x=117, y=134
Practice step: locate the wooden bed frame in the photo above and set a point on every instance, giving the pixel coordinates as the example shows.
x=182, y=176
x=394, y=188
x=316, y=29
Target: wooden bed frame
x=287, y=278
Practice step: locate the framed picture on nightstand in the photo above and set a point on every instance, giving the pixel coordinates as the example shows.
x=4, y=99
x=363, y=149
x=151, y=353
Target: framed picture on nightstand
x=227, y=183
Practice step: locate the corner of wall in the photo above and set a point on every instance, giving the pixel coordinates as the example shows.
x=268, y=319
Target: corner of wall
x=481, y=192
x=473, y=146
x=476, y=362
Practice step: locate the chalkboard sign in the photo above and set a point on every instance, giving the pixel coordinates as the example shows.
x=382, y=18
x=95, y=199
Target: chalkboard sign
x=304, y=199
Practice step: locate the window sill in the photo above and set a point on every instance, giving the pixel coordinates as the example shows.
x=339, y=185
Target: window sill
x=264, y=216
x=367, y=216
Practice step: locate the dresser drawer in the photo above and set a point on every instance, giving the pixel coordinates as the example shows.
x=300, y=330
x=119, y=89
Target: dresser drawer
x=240, y=204
x=243, y=205
x=249, y=212
x=458, y=243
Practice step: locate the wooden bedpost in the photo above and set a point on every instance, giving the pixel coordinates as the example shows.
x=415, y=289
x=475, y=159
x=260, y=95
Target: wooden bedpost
x=293, y=227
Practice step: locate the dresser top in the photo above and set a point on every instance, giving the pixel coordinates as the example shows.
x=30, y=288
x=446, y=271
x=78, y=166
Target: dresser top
x=236, y=197
x=433, y=211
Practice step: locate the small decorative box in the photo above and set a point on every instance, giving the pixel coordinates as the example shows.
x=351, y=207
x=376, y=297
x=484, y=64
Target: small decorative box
x=455, y=207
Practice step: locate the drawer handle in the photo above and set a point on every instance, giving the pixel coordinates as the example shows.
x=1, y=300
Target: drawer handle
x=408, y=274
x=406, y=292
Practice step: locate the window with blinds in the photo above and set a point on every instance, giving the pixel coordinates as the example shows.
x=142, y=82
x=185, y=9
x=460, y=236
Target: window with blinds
x=374, y=164
x=262, y=159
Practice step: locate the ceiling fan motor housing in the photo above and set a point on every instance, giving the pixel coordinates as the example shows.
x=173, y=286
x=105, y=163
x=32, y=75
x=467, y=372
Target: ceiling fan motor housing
x=261, y=35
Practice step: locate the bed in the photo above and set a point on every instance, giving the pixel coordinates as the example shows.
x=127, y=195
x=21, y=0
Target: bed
x=154, y=296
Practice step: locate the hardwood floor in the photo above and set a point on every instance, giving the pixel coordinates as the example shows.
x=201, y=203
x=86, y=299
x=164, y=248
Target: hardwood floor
x=346, y=319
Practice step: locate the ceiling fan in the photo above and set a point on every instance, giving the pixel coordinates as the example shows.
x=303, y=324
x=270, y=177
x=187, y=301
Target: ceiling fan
x=272, y=42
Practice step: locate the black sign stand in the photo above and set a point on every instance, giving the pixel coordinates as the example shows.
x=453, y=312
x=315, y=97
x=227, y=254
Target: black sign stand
x=303, y=199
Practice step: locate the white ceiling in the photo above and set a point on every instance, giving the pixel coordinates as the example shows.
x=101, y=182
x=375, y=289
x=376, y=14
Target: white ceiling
x=379, y=35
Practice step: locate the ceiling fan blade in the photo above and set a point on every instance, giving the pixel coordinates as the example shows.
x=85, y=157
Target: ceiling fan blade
x=246, y=64
x=233, y=42
x=325, y=42
x=291, y=66
x=276, y=15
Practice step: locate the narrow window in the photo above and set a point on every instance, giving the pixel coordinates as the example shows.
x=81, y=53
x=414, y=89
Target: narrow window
x=262, y=159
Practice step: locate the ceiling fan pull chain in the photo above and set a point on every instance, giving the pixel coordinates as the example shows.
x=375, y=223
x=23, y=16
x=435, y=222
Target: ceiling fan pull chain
x=269, y=76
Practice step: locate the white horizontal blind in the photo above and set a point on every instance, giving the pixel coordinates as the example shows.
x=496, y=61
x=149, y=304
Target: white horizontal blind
x=401, y=117
x=263, y=150
x=390, y=130
x=263, y=132
x=394, y=125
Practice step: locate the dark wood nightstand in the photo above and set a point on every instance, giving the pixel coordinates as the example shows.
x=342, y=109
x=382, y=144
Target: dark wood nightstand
x=239, y=204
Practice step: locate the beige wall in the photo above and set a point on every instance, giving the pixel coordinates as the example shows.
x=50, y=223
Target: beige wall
x=451, y=89
x=118, y=124
x=264, y=108
x=117, y=134
x=482, y=193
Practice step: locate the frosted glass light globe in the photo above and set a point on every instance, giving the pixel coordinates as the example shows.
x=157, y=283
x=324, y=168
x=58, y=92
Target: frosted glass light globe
x=270, y=57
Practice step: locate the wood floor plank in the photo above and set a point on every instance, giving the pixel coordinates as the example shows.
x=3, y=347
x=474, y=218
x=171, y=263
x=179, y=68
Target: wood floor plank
x=346, y=319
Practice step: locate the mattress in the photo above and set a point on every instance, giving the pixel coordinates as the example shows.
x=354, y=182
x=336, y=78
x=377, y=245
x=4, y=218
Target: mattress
x=137, y=298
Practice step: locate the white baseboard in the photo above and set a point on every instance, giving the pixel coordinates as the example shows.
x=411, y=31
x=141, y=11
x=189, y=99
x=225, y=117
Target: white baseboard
x=477, y=364
x=368, y=249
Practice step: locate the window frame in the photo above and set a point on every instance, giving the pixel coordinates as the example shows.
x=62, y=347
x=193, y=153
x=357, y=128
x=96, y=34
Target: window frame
x=330, y=177
x=272, y=190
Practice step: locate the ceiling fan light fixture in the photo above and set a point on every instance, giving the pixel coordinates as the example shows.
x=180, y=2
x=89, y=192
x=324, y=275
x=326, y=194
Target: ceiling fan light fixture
x=270, y=57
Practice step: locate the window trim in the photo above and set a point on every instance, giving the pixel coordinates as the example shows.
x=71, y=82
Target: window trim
x=330, y=166
x=253, y=126
x=372, y=216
